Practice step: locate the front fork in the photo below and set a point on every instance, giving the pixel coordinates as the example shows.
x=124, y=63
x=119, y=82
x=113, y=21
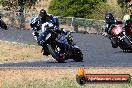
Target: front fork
x=119, y=37
x=123, y=35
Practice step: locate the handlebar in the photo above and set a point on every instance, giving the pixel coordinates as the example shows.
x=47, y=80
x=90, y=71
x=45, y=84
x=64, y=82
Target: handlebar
x=119, y=22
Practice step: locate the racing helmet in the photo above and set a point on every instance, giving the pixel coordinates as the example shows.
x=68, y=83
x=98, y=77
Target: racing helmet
x=43, y=13
x=126, y=17
x=109, y=17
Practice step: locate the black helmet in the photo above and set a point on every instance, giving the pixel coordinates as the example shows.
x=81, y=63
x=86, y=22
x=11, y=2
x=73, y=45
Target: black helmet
x=43, y=13
x=109, y=18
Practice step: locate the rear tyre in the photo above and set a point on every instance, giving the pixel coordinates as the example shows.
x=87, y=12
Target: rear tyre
x=3, y=24
x=59, y=57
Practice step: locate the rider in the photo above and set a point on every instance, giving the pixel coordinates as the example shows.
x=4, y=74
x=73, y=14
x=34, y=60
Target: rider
x=110, y=20
x=38, y=32
x=38, y=22
x=128, y=23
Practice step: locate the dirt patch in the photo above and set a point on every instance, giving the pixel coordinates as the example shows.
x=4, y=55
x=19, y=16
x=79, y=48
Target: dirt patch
x=14, y=51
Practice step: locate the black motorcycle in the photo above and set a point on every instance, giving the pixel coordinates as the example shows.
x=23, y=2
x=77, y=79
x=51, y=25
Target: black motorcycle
x=61, y=51
x=3, y=24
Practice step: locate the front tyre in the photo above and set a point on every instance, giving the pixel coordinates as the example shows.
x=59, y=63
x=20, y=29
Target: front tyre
x=127, y=42
x=56, y=55
x=3, y=24
x=122, y=46
x=78, y=57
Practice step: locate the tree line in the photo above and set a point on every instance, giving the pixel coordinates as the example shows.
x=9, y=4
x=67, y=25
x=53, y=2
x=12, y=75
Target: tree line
x=94, y=9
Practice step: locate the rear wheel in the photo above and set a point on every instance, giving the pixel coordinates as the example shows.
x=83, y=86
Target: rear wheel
x=57, y=53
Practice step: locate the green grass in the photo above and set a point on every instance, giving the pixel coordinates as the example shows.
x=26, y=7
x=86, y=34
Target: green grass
x=61, y=83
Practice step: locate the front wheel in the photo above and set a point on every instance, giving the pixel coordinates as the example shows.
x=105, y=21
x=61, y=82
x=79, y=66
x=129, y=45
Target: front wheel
x=127, y=42
x=56, y=53
x=122, y=46
x=78, y=57
x=3, y=24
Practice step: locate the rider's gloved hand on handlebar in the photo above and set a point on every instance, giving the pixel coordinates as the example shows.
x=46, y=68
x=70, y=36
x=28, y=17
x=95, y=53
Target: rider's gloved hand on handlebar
x=118, y=22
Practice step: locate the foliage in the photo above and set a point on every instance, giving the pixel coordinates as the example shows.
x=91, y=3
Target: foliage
x=9, y=4
x=75, y=8
x=13, y=5
x=100, y=10
x=125, y=4
x=121, y=3
x=29, y=3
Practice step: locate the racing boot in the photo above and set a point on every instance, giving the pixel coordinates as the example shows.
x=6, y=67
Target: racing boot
x=114, y=42
x=45, y=52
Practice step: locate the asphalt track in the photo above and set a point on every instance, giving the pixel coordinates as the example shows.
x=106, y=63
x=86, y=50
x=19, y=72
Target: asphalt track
x=96, y=48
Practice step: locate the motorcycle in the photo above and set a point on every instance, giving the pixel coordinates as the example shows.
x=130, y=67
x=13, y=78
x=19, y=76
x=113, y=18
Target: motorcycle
x=3, y=24
x=119, y=37
x=60, y=51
